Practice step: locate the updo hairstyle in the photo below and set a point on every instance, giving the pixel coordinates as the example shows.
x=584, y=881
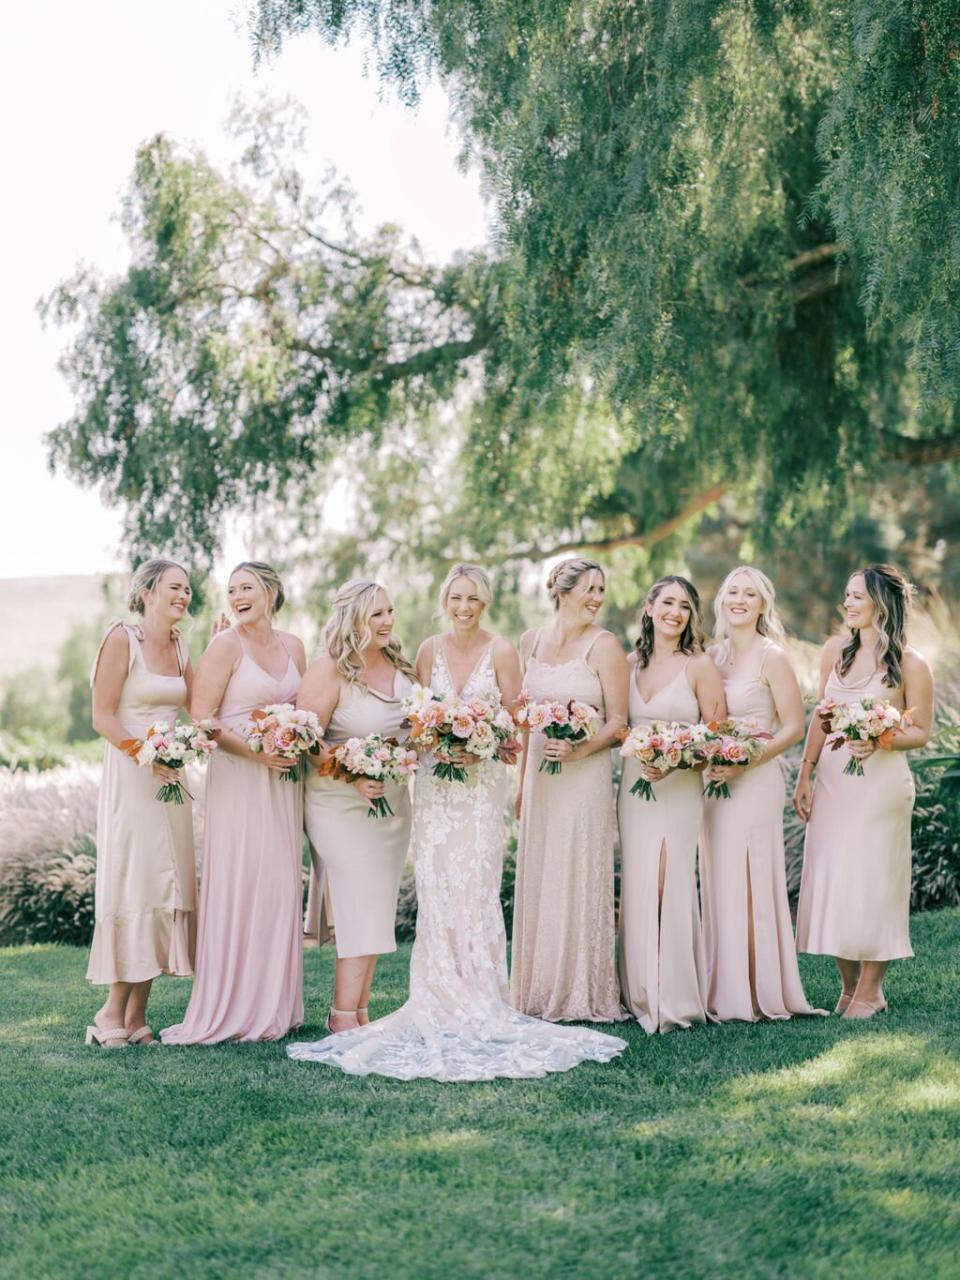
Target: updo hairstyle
x=268, y=578
x=564, y=576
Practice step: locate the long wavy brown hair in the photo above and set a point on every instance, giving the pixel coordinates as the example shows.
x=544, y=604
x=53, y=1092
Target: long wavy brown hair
x=691, y=639
x=891, y=594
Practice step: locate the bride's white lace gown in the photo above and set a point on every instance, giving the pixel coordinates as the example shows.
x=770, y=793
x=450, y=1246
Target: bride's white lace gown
x=457, y=1023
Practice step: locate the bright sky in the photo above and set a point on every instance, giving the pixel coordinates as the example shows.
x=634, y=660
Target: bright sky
x=82, y=86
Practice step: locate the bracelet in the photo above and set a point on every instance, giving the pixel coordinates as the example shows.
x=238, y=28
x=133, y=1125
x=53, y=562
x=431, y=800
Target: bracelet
x=807, y=760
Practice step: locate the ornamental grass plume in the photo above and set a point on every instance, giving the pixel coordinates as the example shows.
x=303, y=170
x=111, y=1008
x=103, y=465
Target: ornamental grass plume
x=48, y=826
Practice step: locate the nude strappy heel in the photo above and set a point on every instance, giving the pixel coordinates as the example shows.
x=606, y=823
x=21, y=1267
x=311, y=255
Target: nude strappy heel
x=140, y=1036
x=107, y=1038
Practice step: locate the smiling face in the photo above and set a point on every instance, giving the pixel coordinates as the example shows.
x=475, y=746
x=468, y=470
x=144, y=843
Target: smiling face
x=583, y=602
x=249, y=599
x=742, y=602
x=464, y=605
x=170, y=598
x=858, y=608
x=380, y=620
x=670, y=612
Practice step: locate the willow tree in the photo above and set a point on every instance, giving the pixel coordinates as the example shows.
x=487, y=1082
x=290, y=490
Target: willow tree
x=726, y=263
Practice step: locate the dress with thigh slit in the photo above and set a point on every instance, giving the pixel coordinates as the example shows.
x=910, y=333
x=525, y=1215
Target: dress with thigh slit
x=742, y=860
x=663, y=972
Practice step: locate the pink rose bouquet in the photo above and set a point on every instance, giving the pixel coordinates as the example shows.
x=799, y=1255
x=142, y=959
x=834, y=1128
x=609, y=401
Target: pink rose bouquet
x=478, y=725
x=282, y=730
x=374, y=756
x=868, y=720
x=173, y=747
x=730, y=742
x=664, y=745
x=573, y=721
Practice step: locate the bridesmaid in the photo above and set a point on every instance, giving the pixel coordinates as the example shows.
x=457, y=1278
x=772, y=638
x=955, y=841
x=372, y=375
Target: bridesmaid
x=663, y=972
x=249, y=983
x=563, y=924
x=855, y=889
x=146, y=872
x=751, y=961
x=357, y=687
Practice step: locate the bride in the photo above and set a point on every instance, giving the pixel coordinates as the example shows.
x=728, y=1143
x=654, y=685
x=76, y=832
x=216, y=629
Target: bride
x=458, y=1023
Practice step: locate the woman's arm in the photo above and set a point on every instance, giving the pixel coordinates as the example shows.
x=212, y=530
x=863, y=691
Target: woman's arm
x=526, y=645
x=294, y=647
x=109, y=678
x=803, y=791
x=506, y=666
x=424, y=661
x=219, y=661
x=918, y=700
x=707, y=684
x=781, y=679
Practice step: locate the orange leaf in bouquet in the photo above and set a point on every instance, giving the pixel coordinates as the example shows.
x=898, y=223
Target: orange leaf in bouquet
x=130, y=747
x=885, y=741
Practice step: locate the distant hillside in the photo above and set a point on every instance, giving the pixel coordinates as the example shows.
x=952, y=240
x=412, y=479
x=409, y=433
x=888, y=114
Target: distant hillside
x=41, y=613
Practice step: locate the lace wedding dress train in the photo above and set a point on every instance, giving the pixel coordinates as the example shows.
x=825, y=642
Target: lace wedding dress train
x=458, y=1023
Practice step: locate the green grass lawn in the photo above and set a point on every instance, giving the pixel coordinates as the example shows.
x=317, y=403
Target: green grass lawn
x=812, y=1148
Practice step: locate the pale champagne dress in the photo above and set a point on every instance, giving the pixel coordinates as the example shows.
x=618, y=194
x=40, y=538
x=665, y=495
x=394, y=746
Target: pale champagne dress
x=742, y=858
x=146, y=871
x=249, y=983
x=362, y=856
x=855, y=888
x=663, y=972
x=457, y=1024
x=563, y=958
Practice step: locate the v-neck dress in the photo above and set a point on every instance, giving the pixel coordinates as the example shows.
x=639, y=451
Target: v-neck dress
x=663, y=971
x=249, y=983
x=855, y=888
x=363, y=857
x=146, y=870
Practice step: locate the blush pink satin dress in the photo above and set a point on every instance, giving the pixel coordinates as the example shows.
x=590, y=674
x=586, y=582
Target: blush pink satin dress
x=742, y=861
x=249, y=983
x=855, y=889
x=663, y=972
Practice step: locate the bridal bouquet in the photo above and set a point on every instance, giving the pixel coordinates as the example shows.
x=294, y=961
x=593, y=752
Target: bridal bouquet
x=664, y=745
x=371, y=757
x=172, y=746
x=478, y=725
x=575, y=721
x=869, y=720
x=282, y=730
x=727, y=742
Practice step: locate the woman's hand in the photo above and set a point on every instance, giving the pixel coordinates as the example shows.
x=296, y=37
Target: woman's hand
x=723, y=772
x=862, y=748
x=650, y=773
x=561, y=749
x=803, y=796
x=370, y=788
x=163, y=773
x=278, y=763
x=219, y=624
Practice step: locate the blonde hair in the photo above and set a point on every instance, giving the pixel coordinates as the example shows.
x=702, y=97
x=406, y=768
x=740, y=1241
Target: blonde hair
x=768, y=623
x=475, y=574
x=146, y=577
x=347, y=631
x=268, y=578
x=564, y=576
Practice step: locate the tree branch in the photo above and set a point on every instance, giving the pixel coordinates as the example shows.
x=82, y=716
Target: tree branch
x=646, y=539
x=919, y=452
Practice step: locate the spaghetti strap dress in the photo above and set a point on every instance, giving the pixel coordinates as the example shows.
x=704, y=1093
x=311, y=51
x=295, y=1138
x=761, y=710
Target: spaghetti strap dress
x=563, y=958
x=663, y=972
x=249, y=983
x=855, y=887
x=742, y=863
